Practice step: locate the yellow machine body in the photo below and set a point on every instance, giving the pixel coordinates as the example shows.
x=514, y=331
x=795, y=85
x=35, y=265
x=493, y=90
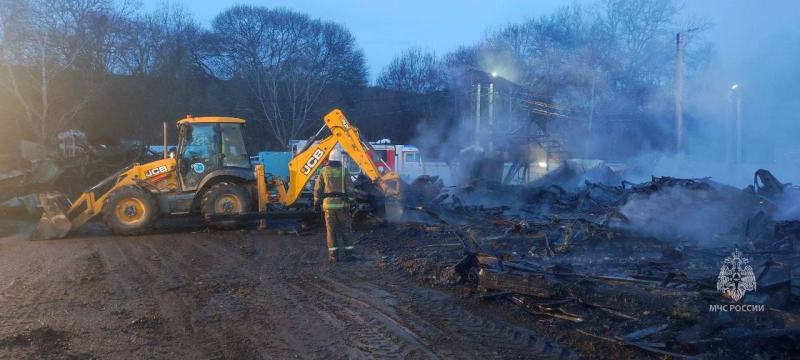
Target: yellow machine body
x=158, y=176
x=210, y=120
x=161, y=177
x=305, y=164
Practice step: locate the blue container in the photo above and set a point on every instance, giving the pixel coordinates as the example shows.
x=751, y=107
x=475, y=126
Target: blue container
x=275, y=163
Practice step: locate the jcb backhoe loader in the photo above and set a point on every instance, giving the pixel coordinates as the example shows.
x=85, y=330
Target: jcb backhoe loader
x=211, y=175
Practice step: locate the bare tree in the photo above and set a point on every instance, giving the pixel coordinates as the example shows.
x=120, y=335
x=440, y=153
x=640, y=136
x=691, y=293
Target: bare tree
x=417, y=80
x=53, y=53
x=287, y=60
x=163, y=43
x=461, y=59
x=413, y=71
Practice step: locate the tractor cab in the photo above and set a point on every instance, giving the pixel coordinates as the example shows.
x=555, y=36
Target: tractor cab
x=209, y=147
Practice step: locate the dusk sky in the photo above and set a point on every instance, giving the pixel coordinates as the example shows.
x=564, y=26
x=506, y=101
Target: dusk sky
x=386, y=28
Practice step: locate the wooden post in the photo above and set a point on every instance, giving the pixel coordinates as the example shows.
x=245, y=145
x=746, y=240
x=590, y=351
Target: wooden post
x=165, y=141
x=263, y=196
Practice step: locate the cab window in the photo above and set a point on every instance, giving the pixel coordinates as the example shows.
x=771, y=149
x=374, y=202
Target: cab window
x=199, y=145
x=379, y=155
x=197, y=157
x=233, y=147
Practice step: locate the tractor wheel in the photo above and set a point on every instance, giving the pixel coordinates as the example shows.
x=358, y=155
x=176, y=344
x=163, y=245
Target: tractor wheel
x=129, y=210
x=225, y=198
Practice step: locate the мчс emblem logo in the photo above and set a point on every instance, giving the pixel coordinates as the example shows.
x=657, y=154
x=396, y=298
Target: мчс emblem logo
x=736, y=277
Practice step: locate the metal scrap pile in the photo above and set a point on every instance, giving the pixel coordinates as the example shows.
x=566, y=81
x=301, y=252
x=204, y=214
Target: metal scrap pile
x=636, y=265
x=70, y=170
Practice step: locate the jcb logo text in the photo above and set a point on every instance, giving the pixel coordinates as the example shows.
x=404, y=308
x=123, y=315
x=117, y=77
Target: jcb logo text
x=153, y=172
x=312, y=161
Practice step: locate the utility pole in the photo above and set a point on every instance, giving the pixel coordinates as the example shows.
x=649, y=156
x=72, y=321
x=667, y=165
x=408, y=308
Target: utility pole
x=510, y=96
x=679, y=91
x=739, y=129
x=478, y=114
x=729, y=130
x=733, y=133
x=491, y=117
x=165, y=140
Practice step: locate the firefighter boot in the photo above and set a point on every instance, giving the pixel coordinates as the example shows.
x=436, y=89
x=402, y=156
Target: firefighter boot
x=333, y=256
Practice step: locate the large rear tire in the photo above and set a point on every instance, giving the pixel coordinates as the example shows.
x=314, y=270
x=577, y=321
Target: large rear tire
x=129, y=210
x=225, y=198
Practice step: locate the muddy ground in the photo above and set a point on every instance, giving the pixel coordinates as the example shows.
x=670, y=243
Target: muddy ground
x=184, y=291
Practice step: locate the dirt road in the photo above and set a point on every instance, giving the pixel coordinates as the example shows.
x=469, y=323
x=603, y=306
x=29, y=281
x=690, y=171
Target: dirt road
x=185, y=292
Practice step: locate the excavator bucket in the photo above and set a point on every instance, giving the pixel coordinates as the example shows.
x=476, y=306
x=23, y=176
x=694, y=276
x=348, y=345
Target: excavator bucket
x=394, y=209
x=54, y=222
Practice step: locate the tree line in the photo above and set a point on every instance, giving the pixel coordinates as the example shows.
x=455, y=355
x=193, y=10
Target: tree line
x=108, y=68
x=606, y=70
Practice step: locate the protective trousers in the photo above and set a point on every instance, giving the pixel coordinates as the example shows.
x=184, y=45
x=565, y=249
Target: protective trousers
x=338, y=221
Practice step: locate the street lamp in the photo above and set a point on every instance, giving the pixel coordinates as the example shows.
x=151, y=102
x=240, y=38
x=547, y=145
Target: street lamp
x=679, y=88
x=734, y=134
x=494, y=74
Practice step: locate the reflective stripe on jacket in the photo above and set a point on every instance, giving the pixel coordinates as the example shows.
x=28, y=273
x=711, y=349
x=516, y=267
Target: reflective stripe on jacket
x=334, y=187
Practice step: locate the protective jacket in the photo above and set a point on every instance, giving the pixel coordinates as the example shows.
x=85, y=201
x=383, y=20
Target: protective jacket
x=334, y=188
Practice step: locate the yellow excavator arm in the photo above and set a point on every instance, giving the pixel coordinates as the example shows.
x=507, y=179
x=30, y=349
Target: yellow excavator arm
x=305, y=164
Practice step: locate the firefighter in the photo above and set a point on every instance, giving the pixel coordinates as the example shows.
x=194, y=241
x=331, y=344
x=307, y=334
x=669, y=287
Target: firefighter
x=333, y=191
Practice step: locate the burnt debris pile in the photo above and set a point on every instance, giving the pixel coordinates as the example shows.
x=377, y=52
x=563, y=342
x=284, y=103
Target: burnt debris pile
x=669, y=267
x=70, y=168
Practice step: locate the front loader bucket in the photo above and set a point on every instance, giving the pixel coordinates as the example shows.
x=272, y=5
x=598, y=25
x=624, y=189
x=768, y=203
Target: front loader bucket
x=54, y=223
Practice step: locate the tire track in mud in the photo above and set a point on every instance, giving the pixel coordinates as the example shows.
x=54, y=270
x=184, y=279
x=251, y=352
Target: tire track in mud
x=347, y=333
x=167, y=283
x=128, y=265
x=200, y=285
x=298, y=262
x=285, y=306
x=268, y=307
x=380, y=328
x=248, y=294
x=182, y=284
x=362, y=332
x=493, y=333
x=335, y=289
x=442, y=316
